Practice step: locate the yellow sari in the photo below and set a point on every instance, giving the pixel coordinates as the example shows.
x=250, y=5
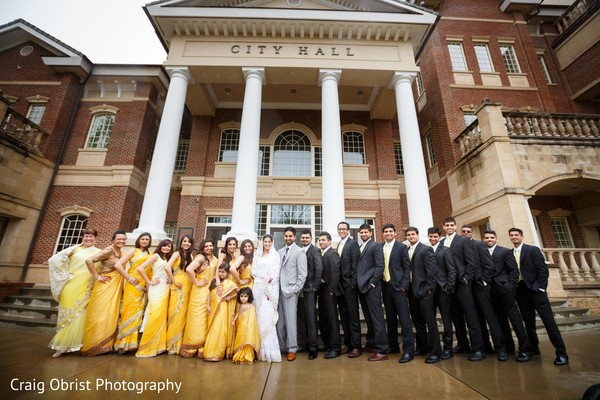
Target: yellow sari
x=246, y=344
x=178, y=308
x=220, y=335
x=196, y=326
x=134, y=302
x=154, y=327
x=247, y=274
x=74, y=298
x=103, y=308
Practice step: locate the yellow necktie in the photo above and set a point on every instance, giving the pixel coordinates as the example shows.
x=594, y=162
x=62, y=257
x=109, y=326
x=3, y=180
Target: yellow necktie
x=386, y=255
x=340, y=247
x=491, y=250
x=448, y=241
x=362, y=247
x=517, y=254
x=410, y=252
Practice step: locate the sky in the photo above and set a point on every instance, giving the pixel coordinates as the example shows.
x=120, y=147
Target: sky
x=106, y=31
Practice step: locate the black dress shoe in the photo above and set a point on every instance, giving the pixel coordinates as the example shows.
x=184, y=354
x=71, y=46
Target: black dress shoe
x=523, y=357
x=432, y=359
x=406, y=358
x=332, y=354
x=561, y=360
x=446, y=354
x=477, y=356
x=502, y=356
x=461, y=350
x=312, y=355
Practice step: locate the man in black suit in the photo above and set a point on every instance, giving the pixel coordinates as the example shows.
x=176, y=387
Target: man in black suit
x=307, y=304
x=369, y=276
x=532, y=296
x=328, y=292
x=396, y=282
x=423, y=283
x=462, y=251
x=482, y=293
x=349, y=253
x=446, y=279
x=504, y=289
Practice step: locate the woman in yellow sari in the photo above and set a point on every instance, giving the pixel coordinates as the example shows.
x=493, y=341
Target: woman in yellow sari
x=246, y=342
x=180, y=293
x=241, y=268
x=103, y=308
x=71, y=286
x=201, y=272
x=154, y=326
x=134, y=295
x=221, y=310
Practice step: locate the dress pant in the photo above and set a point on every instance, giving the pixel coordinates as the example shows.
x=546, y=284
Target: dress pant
x=443, y=301
x=483, y=300
x=531, y=301
x=464, y=298
x=307, y=321
x=348, y=306
x=396, y=308
x=505, y=305
x=375, y=321
x=423, y=315
x=328, y=319
x=287, y=331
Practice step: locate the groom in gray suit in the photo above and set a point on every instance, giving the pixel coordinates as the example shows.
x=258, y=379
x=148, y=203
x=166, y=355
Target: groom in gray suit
x=291, y=281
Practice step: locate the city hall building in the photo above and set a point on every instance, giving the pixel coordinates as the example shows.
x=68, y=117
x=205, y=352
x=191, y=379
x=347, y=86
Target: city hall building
x=306, y=113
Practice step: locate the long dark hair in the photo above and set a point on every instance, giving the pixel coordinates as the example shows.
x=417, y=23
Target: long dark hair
x=162, y=243
x=137, y=241
x=185, y=256
x=203, y=244
x=247, y=257
x=228, y=257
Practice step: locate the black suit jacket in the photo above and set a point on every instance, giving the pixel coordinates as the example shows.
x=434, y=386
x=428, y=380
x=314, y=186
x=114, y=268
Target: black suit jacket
x=534, y=269
x=399, y=266
x=484, y=267
x=424, y=271
x=331, y=271
x=314, y=269
x=462, y=251
x=506, y=272
x=446, y=277
x=348, y=263
x=369, y=270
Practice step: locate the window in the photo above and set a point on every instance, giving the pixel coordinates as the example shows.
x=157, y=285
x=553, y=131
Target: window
x=354, y=148
x=483, y=58
x=544, y=67
x=182, y=154
x=430, y=151
x=100, y=131
x=355, y=223
x=562, y=234
x=510, y=59
x=71, y=231
x=292, y=154
x=170, y=228
x=36, y=112
x=457, y=56
x=264, y=160
x=420, y=86
x=318, y=219
x=469, y=118
x=291, y=215
x=398, y=158
x=217, y=227
x=230, y=144
x=260, y=225
x=318, y=161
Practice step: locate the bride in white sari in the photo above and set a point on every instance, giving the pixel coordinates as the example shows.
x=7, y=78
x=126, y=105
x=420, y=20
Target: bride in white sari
x=265, y=271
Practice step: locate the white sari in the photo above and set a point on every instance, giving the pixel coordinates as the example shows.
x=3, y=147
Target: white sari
x=266, y=297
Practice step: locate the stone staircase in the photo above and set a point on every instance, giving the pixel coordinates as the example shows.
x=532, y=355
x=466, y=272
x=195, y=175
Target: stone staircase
x=34, y=309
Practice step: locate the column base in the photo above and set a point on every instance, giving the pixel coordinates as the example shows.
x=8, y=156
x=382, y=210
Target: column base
x=241, y=235
x=157, y=234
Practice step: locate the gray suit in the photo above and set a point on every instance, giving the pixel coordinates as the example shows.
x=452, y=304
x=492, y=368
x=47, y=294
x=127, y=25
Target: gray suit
x=291, y=281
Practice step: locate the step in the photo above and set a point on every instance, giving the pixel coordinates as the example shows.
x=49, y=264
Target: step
x=11, y=309
x=571, y=323
x=28, y=324
x=37, y=290
x=33, y=300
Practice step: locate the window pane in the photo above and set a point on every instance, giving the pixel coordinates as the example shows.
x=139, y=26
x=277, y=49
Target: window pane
x=36, y=112
x=562, y=234
x=430, y=151
x=469, y=118
x=318, y=161
x=100, y=131
x=544, y=69
x=71, y=232
x=457, y=56
x=398, y=159
x=510, y=59
x=292, y=154
x=291, y=215
x=264, y=160
x=230, y=143
x=182, y=155
x=483, y=58
x=354, y=148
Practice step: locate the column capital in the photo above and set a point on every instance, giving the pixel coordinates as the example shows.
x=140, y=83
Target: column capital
x=402, y=76
x=325, y=74
x=180, y=72
x=255, y=72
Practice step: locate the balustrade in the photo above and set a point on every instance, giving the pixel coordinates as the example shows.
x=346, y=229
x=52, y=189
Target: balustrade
x=575, y=265
x=553, y=125
x=22, y=131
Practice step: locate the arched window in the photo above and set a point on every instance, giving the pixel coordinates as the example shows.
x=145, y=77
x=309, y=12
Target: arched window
x=230, y=144
x=354, y=148
x=71, y=231
x=292, y=154
x=100, y=131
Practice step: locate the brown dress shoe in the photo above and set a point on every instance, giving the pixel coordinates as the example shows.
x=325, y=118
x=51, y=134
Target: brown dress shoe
x=378, y=357
x=355, y=353
x=291, y=356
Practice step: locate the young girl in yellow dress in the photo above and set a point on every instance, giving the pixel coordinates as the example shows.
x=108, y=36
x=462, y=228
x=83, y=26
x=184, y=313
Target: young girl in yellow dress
x=246, y=343
x=134, y=294
x=241, y=268
x=221, y=309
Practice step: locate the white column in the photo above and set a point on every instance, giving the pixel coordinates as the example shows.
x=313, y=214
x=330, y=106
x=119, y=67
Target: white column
x=415, y=176
x=535, y=237
x=332, y=163
x=246, y=173
x=156, y=197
